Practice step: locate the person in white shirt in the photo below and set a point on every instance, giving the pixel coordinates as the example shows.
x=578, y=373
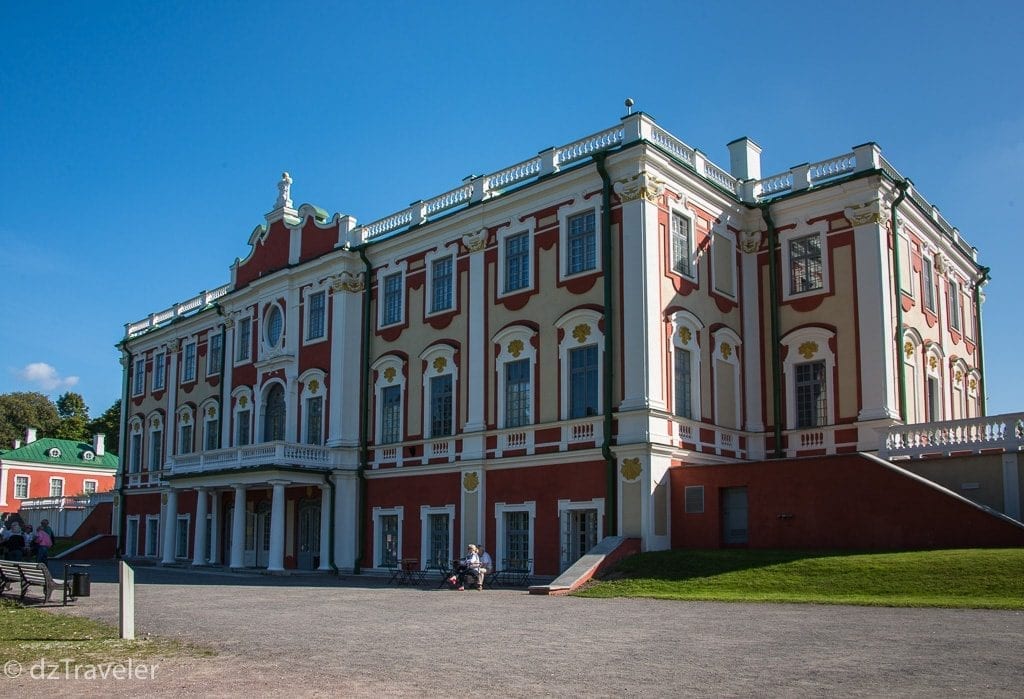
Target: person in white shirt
x=486, y=566
x=467, y=568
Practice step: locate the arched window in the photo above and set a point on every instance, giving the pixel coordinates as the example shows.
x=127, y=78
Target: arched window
x=686, y=365
x=274, y=413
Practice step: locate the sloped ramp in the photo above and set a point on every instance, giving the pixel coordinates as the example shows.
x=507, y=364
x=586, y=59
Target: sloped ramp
x=607, y=553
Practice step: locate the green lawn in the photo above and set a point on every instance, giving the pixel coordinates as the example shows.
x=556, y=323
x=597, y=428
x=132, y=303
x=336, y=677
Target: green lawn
x=979, y=578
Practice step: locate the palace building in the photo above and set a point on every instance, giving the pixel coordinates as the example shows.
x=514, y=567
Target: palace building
x=615, y=337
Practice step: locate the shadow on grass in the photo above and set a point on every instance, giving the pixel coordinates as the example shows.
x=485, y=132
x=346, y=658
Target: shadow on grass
x=690, y=564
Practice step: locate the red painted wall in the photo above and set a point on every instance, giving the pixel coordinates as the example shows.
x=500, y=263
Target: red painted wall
x=842, y=502
x=39, y=483
x=409, y=493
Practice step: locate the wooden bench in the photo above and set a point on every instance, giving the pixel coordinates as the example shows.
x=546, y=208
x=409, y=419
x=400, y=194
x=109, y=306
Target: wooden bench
x=9, y=575
x=34, y=575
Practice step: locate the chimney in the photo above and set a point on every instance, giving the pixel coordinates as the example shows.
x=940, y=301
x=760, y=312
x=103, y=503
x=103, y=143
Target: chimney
x=17, y=444
x=30, y=435
x=98, y=446
x=744, y=159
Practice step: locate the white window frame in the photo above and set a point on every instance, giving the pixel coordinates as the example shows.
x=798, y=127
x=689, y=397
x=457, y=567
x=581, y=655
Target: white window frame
x=566, y=506
x=239, y=357
x=684, y=320
x=567, y=323
x=266, y=348
x=721, y=234
x=431, y=355
x=28, y=486
x=928, y=262
x=135, y=429
x=932, y=351
x=428, y=296
x=529, y=229
x=505, y=340
x=159, y=370
x=956, y=321
x=85, y=486
x=913, y=379
x=238, y=407
x=187, y=519
x=155, y=423
x=128, y=552
x=686, y=214
x=819, y=337
x=425, y=512
x=186, y=367
x=139, y=385
x=210, y=353
x=379, y=512
x=308, y=393
x=721, y=337
x=204, y=411
x=380, y=367
x=804, y=230
x=383, y=273
x=57, y=479
x=152, y=521
x=307, y=313
x=180, y=424
x=564, y=214
x=500, y=508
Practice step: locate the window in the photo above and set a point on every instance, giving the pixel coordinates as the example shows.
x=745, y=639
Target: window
x=274, y=327
x=811, y=399
x=934, y=399
x=188, y=363
x=390, y=414
x=185, y=439
x=152, y=535
x=928, y=282
x=214, y=354
x=131, y=536
x=582, y=243
x=517, y=262
x=274, y=414
x=317, y=314
x=694, y=499
x=243, y=341
x=441, y=405
x=391, y=308
x=583, y=381
x=156, y=450
x=683, y=385
x=517, y=393
x=212, y=430
x=805, y=264
x=954, y=305
x=243, y=419
x=21, y=487
x=387, y=536
x=517, y=536
x=139, y=379
x=89, y=487
x=181, y=537
x=723, y=256
x=314, y=420
x=441, y=285
x=56, y=487
x=135, y=453
x=159, y=369
x=681, y=244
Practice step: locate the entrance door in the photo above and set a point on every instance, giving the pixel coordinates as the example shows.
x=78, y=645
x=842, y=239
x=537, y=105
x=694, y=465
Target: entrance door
x=309, y=536
x=263, y=535
x=249, y=554
x=579, y=534
x=734, y=515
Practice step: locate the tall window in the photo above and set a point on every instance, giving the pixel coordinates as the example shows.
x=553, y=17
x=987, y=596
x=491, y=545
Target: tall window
x=954, y=305
x=439, y=544
x=21, y=487
x=392, y=304
x=681, y=244
x=56, y=487
x=135, y=457
x=805, y=264
x=314, y=420
x=181, y=537
x=928, y=283
x=214, y=354
x=156, y=450
x=390, y=414
x=185, y=439
x=388, y=554
x=274, y=330
x=188, y=363
x=583, y=381
x=517, y=393
x=243, y=340
x=139, y=378
x=159, y=371
x=152, y=535
x=517, y=536
x=582, y=243
x=933, y=397
x=212, y=429
x=683, y=385
x=441, y=284
x=315, y=325
x=517, y=262
x=243, y=437
x=811, y=398
x=274, y=415
x=441, y=405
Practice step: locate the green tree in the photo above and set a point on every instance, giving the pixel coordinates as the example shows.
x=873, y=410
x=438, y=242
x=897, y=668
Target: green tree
x=109, y=424
x=74, y=417
x=26, y=409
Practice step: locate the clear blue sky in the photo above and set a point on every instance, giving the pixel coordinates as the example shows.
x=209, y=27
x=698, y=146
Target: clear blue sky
x=141, y=142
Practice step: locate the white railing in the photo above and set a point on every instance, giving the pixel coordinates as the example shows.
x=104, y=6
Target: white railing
x=441, y=448
x=672, y=144
x=67, y=502
x=717, y=174
x=512, y=175
x=201, y=300
x=577, y=150
x=972, y=435
x=687, y=435
x=811, y=439
x=582, y=431
x=268, y=453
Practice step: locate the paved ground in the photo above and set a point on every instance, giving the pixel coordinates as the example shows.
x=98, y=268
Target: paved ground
x=322, y=636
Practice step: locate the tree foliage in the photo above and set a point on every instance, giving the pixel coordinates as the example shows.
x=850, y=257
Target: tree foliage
x=74, y=417
x=26, y=409
x=109, y=424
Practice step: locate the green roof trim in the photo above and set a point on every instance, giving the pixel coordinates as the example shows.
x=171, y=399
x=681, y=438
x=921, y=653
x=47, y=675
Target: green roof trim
x=71, y=453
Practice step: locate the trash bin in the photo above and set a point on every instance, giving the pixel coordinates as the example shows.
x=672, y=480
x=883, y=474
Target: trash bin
x=80, y=584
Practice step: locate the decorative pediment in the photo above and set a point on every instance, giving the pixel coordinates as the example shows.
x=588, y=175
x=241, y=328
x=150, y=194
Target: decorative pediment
x=641, y=186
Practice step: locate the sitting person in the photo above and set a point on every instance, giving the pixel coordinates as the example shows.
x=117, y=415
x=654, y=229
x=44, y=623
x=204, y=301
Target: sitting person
x=486, y=566
x=467, y=567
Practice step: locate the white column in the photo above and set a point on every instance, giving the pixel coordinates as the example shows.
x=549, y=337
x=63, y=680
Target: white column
x=214, y=552
x=345, y=373
x=753, y=342
x=170, y=525
x=277, y=527
x=1011, y=485
x=199, y=545
x=346, y=513
x=226, y=413
x=325, y=526
x=238, y=528
x=476, y=356
x=171, y=423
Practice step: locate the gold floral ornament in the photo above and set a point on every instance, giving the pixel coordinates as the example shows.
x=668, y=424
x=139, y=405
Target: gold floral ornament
x=163, y=498
x=439, y=364
x=959, y=376
x=581, y=332
x=313, y=385
x=808, y=349
x=932, y=362
x=973, y=384
x=389, y=374
x=186, y=418
x=726, y=350
x=211, y=411
x=154, y=421
x=470, y=481
x=515, y=348
x=243, y=401
x=138, y=427
x=630, y=469
x=908, y=348
x=685, y=335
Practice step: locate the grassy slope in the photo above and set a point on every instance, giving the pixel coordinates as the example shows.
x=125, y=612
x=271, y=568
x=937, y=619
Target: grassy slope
x=980, y=578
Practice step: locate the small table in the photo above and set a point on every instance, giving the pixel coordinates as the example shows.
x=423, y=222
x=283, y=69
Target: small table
x=409, y=572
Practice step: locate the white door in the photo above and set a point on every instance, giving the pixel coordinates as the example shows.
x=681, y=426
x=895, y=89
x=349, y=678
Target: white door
x=249, y=553
x=579, y=534
x=263, y=535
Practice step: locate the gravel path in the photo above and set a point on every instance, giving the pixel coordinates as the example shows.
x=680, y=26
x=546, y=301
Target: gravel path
x=321, y=636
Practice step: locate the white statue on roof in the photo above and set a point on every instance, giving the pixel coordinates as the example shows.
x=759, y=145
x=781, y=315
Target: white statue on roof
x=284, y=188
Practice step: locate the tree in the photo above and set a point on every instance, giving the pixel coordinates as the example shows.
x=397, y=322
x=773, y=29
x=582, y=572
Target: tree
x=20, y=410
x=109, y=424
x=74, y=417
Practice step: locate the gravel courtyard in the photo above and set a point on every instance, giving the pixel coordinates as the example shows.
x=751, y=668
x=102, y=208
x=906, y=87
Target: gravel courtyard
x=324, y=636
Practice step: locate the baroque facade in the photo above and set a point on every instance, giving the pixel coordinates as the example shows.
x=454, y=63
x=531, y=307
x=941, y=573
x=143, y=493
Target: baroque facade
x=525, y=359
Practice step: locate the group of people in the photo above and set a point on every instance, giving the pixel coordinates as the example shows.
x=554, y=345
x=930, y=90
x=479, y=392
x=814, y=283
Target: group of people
x=473, y=568
x=19, y=541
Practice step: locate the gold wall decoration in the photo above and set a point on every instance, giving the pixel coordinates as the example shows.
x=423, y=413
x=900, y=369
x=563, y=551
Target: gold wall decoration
x=313, y=385
x=808, y=349
x=186, y=418
x=515, y=348
x=959, y=376
x=470, y=481
x=726, y=350
x=685, y=334
x=973, y=384
x=389, y=374
x=137, y=427
x=932, y=362
x=243, y=401
x=346, y=281
x=439, y=364
x=581, y=332
x=211, y=411
x=908, y=348
x=630, y=469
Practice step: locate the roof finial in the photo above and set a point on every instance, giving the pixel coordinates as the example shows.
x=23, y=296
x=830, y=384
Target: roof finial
x=629, y=105
x=284, y=188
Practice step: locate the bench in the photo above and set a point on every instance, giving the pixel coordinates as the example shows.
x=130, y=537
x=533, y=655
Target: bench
x=34, y=575
x=9, y=575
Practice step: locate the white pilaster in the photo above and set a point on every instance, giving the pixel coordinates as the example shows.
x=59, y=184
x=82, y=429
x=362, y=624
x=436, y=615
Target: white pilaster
x=325, y=526
x=214, y=552
x=238, y=528
x=475, y=378
x=226, y=413
x=346, y=347
x=346, y=513
x=170, y=526
x=171, y=423
x=277, y=527
x=752, y=342
x=199, y=545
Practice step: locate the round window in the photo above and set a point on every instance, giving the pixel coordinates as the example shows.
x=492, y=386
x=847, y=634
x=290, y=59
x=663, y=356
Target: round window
x=275, y=324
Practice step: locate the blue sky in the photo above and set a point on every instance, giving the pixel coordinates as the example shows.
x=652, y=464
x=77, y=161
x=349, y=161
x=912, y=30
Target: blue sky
x=141, y=142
